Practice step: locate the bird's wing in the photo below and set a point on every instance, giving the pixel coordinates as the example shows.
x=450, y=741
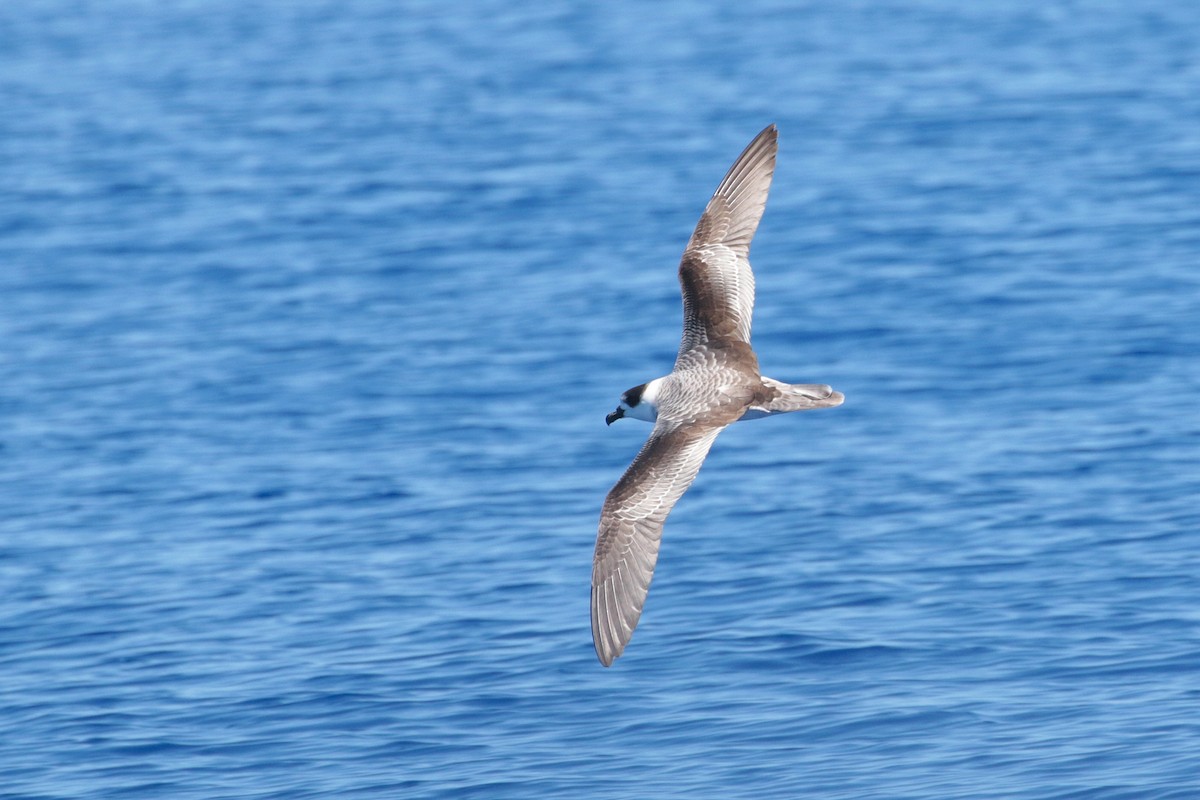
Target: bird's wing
x=715, y=275
x=631, y=524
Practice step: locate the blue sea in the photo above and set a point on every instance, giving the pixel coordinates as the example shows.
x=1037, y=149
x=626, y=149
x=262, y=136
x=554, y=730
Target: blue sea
x=311, y=313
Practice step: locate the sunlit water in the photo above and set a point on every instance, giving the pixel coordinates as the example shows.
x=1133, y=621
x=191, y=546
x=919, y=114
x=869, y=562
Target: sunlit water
x=311, y=314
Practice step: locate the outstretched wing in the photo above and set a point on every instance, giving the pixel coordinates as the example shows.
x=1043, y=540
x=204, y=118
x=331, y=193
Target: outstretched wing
x=715, y=275
x=631, y=524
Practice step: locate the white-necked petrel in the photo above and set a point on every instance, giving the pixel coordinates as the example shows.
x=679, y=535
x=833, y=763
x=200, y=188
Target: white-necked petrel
x=714, y=383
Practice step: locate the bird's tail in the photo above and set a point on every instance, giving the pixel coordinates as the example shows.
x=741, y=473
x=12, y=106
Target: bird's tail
x=794, y=397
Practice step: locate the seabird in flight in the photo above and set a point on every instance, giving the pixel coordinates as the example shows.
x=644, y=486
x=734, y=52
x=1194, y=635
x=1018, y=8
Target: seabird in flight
x=714, y=383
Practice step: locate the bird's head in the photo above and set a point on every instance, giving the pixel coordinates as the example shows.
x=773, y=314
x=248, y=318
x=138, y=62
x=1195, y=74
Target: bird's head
x=640, y=402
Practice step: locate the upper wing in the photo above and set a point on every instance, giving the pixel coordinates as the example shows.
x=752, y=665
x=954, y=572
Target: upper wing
x=631, y=525
x=715, y=275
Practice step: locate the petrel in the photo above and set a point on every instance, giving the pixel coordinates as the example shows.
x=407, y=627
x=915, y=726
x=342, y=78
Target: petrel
x=714, y=383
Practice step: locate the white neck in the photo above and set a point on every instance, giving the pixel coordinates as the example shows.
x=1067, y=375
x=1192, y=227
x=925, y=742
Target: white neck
x=647, y=409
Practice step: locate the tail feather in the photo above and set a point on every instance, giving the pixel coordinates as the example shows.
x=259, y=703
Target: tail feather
x=794, y=397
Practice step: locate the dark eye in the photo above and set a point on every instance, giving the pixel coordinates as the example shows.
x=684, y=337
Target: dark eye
x=634, y=396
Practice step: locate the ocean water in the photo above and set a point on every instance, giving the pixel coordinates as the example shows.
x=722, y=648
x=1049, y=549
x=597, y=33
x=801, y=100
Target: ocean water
x=311, y=313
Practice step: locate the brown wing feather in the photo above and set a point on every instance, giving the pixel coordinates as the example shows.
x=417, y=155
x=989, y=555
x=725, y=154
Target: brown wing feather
x=715, y=274
x=631, y=524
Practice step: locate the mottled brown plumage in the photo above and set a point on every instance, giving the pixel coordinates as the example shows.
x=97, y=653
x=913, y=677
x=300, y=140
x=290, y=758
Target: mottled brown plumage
x=715, y=382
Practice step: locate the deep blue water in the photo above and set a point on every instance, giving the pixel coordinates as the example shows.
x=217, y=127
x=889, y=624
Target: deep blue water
x=311, y=313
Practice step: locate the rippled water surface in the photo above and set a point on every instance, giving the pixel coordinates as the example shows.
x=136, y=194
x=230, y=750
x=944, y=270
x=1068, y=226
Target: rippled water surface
x=311, y=313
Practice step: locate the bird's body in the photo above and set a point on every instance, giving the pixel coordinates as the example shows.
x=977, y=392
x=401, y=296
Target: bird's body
x=715, y=382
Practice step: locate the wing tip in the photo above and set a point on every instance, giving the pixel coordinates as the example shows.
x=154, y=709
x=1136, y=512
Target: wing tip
x=742, y=194
x=606, y=659
x=608, y=646
x=768, y=137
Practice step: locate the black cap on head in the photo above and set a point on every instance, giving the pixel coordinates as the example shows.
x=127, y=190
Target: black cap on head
x=633, y=396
